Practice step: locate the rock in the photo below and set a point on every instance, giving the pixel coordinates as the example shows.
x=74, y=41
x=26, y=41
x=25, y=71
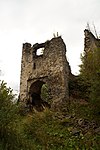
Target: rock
x=75, y=132
x=66, y=124
x=97, y=130
x=80, y=122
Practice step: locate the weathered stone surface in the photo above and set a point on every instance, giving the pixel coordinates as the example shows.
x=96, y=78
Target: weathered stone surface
x=51, y=68
x=90, y=41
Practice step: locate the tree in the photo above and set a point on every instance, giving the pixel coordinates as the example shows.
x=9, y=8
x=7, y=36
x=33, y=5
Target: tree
x=90, y=72
x=11, y=137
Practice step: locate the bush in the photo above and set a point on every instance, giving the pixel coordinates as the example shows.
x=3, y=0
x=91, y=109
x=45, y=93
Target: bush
x=78, y=88
x=90, y=72
x=11, y=137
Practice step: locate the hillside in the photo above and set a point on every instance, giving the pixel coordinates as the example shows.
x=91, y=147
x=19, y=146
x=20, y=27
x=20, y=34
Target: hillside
x=59, y=122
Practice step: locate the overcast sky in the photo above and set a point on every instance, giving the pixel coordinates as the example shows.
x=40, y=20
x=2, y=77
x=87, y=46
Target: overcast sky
x=35, y=21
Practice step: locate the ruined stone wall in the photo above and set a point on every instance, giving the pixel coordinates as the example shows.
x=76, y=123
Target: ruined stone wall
x=90, y=41
x=51, y=68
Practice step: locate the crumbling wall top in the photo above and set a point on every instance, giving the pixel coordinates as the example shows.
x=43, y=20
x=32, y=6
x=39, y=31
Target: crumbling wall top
x=90, y=41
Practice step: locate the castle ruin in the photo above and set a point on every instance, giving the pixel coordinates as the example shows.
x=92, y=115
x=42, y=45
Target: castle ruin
x=50, y=68
x=90, y=41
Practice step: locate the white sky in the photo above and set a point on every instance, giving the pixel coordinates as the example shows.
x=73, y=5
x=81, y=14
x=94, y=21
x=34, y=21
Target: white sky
x=35, y=21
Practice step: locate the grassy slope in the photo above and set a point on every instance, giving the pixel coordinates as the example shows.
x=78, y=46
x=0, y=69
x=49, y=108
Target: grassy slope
x=75, y=130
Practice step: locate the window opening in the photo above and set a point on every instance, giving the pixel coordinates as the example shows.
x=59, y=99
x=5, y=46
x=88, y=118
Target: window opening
x=39, y=51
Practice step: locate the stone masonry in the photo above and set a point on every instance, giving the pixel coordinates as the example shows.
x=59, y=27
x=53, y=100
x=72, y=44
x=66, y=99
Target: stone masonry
x=51, y=68
x=90, y=41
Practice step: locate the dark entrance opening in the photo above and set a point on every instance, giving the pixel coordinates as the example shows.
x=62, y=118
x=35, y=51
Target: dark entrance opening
x=35, y=96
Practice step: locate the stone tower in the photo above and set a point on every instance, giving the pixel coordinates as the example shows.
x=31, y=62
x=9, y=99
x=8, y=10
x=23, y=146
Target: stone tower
x=51, y=68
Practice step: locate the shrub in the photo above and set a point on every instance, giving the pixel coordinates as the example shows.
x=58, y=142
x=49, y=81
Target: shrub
x=11, y=137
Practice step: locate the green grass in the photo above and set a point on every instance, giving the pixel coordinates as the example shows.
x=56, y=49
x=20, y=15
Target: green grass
x=47, y=131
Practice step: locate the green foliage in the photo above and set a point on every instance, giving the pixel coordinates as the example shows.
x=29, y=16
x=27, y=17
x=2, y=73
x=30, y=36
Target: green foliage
x=10, y=136
x=78, y=88
x=45, y=93
x=90, y=72
x=47, y=131
x=6, y=105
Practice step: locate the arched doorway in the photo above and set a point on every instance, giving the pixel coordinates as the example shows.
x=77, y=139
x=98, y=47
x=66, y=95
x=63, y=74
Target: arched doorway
x=36, y=95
